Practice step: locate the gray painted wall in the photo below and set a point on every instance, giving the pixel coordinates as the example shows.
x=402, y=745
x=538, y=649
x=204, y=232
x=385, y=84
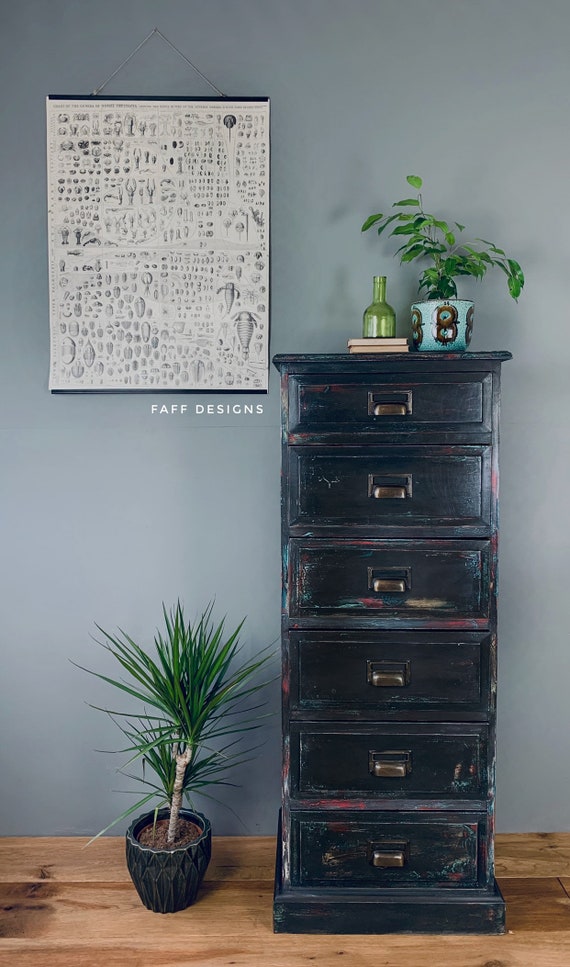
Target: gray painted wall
x=107, y=510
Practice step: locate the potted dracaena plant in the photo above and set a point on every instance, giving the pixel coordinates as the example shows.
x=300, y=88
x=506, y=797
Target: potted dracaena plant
x=442, y=322
x=194, y=700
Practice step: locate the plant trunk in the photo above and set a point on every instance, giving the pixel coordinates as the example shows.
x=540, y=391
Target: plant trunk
x=182, y=760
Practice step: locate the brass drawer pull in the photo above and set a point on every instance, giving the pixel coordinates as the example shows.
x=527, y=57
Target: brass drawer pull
x=390, y=403
x=388, y=674
x=392, y=580
x=383, y=859
x=388, y=493
x=388, y=584
x=390, y=487
x=390, y=764
x=387, y=679
x=388, y=854
x=389, y=409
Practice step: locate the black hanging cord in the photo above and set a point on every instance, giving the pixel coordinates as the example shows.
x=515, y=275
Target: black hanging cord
x=155, y=30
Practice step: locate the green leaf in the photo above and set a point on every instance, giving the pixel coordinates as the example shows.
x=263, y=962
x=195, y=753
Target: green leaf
x=437, y=287
x=460, y=226
x=476, y=254
x=492, y=246
x=128, y=812
x=406, y=201
x=516, y=271
x=443, y=226
x=404, y=230
x=371, y=220
x=423, y=221
x=432, y=275
x=413, y=253
x=415, y=181
x=434, y=248
x=426, y=248
x=390, y=219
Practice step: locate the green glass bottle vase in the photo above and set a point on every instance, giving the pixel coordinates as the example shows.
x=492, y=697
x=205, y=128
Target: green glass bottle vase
x=379, y=320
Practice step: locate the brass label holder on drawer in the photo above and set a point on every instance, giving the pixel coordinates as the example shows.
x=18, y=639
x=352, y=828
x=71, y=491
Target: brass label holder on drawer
x=388, y=674
x=383, y=486
x=390, y=764
x=388, y=853
x=390, y=403
x=395, y=580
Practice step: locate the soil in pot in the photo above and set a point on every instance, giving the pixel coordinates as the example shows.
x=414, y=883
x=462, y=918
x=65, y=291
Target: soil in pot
x=155, y=834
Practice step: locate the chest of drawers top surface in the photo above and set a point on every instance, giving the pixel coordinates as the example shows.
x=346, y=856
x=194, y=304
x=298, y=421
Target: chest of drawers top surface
x=435, y=360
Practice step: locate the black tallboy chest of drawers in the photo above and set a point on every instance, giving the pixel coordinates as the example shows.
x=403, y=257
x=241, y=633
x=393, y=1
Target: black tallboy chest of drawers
x=389, y=516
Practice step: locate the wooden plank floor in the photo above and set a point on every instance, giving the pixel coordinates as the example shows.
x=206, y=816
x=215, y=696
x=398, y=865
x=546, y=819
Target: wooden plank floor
x=65, y=906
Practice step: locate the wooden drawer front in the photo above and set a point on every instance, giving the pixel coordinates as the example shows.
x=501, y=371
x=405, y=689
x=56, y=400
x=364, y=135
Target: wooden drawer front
x=390, y=672
x=390, y=761
x=387, y=850
x=386, y=579
x=410, y=488
x=391, y=404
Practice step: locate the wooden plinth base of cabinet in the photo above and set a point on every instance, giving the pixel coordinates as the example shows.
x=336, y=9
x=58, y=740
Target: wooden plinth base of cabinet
x=338, y=912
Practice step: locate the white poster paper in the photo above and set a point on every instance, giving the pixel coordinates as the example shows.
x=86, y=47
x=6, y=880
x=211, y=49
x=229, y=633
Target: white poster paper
x=158, y=219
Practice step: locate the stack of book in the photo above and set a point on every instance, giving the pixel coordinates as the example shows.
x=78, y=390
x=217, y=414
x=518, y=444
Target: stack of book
x=380, y=345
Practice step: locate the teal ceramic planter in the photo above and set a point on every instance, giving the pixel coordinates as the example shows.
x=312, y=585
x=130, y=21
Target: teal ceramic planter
x=442, y=325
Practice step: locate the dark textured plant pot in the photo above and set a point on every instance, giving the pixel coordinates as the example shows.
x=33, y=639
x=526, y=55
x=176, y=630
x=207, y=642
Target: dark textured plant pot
x=442, y=325
x=168, y=880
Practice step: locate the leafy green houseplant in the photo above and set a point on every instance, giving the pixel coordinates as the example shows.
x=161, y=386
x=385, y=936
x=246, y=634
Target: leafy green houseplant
x=440, y=243
x=194, y=701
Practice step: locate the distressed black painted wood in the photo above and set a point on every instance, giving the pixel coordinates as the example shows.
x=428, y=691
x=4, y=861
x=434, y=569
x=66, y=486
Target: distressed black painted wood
x=389, y=642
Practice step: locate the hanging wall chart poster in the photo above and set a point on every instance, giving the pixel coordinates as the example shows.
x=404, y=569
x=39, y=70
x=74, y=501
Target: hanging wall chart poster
x=158, y=221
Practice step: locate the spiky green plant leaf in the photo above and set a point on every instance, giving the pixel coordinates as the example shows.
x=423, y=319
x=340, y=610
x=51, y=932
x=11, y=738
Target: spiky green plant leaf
x=200, y=687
